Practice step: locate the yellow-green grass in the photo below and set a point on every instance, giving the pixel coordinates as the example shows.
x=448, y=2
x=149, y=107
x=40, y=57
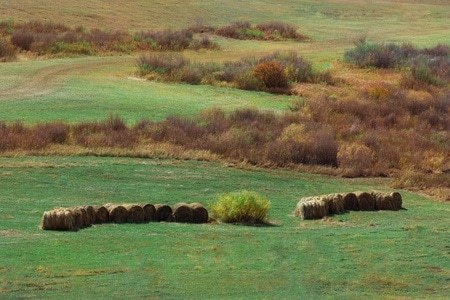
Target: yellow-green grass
x=336, y=22
x=369, y=255
x=86, y=89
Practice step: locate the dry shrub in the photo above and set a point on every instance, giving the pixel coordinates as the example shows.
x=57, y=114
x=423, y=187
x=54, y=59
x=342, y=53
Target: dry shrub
x=101, y=214
x=7, y=52
x=366, y=201
x=199, y=213
x=235, y=30
x=417, y=102
x=311, y=208
x=271, y=74
x=22, y=39
x=379, y=90
x=182, y=213
x=247, y=81
x=276, y=30
x=135, y=213
x=357, y=159
x=149, y=211
x=163, y=212
x=117, y=213
x=350, y=201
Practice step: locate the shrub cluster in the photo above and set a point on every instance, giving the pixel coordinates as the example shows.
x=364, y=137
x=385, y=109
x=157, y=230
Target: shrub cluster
x=247, y=135
x=428, y=66
x=47, y=38
x=272, y=73
x=243, y=207
x=274, y=30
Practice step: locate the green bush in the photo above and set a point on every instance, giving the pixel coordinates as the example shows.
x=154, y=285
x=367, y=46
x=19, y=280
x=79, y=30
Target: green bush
x=244, y=207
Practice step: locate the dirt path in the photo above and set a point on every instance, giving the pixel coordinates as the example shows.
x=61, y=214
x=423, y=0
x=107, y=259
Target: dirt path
x=48, y=78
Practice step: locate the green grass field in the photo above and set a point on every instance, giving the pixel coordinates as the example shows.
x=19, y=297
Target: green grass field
x=359, y=254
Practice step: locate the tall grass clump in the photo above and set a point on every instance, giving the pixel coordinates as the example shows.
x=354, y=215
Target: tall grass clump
x=244, y=207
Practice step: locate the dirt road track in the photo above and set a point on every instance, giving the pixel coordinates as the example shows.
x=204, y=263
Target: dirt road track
x=47, y=78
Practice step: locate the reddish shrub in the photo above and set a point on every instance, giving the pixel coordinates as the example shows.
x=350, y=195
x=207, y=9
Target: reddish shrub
x=271, y=74
x=22, y=39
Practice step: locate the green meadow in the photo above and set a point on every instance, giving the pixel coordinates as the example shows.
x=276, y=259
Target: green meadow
x=381, y=254
x=357, y=255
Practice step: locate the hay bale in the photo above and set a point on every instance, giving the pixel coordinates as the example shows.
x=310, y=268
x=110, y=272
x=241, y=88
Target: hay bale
x=182, y=213
x=366, y=201
x=135, y=213
x=397, y=200
x=163, y=212
x=117, y=213
x=311, y=208
x=149, y=211
x=350, y=201
x=68, y=221
x=58, y=219
x=78, y=217
x=335, y=203
x=101, y=214
x=387, y=201
x=47, y=220
x=91, y=216
x=199, y=213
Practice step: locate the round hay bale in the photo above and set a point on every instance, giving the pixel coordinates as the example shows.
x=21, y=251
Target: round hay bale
x=47, y=221
x=85, y=217
x=135, y=213
x=366, y=202
x=311, y=208
x=101, y=214
x=387, y=201
x=335, y=203
x=397, y=200
x=350, y=201
x=78, y=218
x=163, y=212
x=68, y=221
x=117, y=213
x=90, y=213
x=149, y=211
x=199, y=213
x=182, y=213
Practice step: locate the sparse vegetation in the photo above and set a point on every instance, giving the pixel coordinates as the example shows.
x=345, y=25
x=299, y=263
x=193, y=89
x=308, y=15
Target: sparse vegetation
x=48, y=38
x=274, y=73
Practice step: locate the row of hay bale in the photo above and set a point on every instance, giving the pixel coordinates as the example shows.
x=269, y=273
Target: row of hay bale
x=75, y=218
x=318, y=207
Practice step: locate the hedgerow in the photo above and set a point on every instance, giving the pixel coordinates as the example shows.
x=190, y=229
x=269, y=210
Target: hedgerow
x=274, y=73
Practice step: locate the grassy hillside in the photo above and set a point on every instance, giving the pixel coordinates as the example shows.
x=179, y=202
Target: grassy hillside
x=374, y=255
x=336, y=22
x=358, y=254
